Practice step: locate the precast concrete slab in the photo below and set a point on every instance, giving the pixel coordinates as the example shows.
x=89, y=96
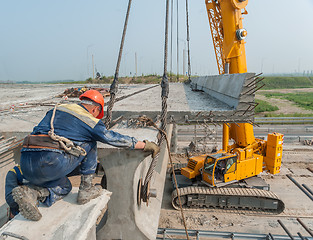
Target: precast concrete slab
x=63, y=220
x=226, y=88
x=235, y=90
x=123, y=169
x=221, y=98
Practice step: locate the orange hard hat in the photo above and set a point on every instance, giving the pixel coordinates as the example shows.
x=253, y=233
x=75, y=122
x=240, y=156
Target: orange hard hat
x=95, y=96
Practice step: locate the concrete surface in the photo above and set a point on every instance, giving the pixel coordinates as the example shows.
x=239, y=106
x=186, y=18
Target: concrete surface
x=123, y=169
x=63, y=220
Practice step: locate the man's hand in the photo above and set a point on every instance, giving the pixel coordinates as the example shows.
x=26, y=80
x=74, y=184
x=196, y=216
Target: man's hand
x=140, y=145
x=151, y=147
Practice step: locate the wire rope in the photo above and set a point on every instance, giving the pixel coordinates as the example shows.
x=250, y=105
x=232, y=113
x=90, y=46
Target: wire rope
x=114, y=85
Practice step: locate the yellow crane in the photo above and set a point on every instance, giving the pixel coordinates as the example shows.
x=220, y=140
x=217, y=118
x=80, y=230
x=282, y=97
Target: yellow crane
x=234, y=166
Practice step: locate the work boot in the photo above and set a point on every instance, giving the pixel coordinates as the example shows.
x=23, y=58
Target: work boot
x=27, y=198
x=87, y=190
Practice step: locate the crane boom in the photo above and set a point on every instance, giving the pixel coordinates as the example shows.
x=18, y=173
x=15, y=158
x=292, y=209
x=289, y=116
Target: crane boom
x=228, y=34
x=215, y=21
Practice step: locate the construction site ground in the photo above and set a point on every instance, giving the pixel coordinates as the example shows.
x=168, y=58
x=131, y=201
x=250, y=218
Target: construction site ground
x=296, y=161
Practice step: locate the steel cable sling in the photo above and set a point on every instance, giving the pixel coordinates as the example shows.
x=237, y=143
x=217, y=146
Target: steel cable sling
x=164, y=95
x=188, y=41
x=114, y=85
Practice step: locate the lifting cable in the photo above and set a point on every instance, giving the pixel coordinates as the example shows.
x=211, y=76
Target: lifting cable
x=114, y=85
x=177, y=41
x=148, y=122
x=172, y=9
x=188, y=41
x=164, y=96
x=162, y=129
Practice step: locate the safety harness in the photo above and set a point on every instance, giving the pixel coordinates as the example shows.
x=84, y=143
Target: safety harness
x=53, y=141
x=17, y=170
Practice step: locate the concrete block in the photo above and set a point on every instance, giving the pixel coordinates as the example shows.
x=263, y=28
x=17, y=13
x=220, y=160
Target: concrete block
x=4, y=214
x=63, y=220
x=123, y=169
x=226, y=88
x=4, y=168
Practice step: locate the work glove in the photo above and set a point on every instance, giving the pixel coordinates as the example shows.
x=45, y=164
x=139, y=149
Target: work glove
x=151, y=147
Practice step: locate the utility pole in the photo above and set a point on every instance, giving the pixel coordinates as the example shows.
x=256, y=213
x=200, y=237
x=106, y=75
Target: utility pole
x=184, y=61
x=136, y=63
x=93, y=68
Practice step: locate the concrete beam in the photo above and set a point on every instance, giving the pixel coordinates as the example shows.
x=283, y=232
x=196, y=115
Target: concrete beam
x=212, y=98
x=63, y=220
x=123, y=169
x=226, y=88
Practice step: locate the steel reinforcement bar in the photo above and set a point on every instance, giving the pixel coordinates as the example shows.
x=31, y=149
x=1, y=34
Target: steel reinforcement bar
x=283, y=120
x=167, y=233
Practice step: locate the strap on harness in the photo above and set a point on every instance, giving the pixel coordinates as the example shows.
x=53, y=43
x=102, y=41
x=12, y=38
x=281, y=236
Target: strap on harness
x=19, y=175
x=65, y=143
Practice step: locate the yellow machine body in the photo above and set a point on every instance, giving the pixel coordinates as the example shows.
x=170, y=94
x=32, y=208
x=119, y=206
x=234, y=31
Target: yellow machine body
x=195, y=164
x=220, y=168
x=274, y=151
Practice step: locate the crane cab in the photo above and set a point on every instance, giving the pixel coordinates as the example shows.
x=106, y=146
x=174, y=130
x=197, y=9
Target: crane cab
x=219, y=169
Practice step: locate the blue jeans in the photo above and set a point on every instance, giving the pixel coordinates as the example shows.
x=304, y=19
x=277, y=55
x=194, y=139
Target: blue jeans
x=48, y=168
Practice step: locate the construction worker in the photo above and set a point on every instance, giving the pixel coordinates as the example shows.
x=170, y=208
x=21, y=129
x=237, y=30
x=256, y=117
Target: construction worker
x=64, y=139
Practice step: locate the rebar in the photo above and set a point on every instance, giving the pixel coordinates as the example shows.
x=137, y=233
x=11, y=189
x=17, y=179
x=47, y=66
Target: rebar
x=305, y=227
x=168, y=233
x=308, y=189
x=285, y=229
x=271, y=236
x=300, y=235
x=299, y=186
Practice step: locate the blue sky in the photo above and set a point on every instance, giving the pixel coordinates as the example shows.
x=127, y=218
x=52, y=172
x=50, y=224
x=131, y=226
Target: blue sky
x=55, y=40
